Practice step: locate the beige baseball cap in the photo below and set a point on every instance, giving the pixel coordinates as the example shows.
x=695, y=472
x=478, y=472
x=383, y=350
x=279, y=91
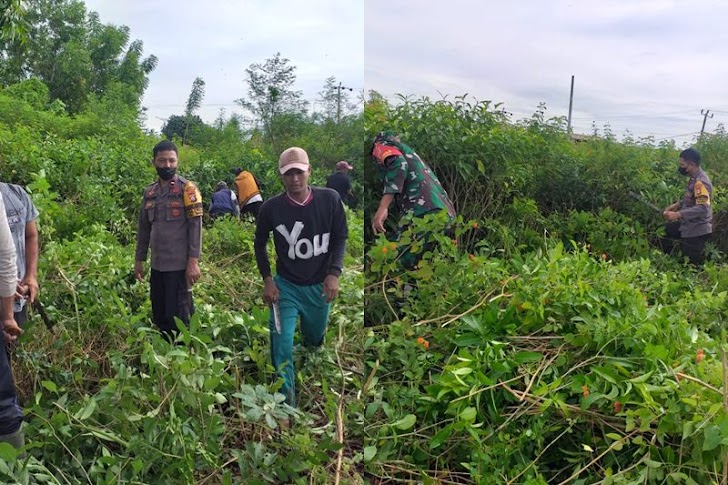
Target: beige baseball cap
x=293, y=157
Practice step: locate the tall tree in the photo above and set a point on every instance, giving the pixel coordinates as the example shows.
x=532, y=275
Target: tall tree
x=181, y=126
x=271, y=93
x=74, y=54
x=194, y=101
x=11, y=20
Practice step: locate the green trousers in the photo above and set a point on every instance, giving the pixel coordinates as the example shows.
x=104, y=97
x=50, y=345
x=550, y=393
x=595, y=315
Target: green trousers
x=308, y=303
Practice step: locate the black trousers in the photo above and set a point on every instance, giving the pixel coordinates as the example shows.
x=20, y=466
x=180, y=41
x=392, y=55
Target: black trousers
x=692, y=247
x=11, y=416
x=170, y=298
x=251, y=208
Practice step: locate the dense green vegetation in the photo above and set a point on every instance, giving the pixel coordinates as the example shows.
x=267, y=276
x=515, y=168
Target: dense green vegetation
x=549, y=342
x=107, y=399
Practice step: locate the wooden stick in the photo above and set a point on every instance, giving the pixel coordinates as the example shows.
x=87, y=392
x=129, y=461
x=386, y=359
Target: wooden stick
x=340, y=409
x=540, y=369
x=725, y=405
x=599, y=457
x=371, y=376
x=702, y=383
x=512, y=480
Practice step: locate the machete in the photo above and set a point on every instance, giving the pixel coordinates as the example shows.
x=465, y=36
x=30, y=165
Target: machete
x=649, y=204
x=38, y=306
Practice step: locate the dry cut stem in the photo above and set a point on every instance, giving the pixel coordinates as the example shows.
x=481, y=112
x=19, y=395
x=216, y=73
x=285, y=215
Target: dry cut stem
x=725, y=407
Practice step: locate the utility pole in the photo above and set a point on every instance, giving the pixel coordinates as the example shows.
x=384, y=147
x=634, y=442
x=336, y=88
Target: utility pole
x=571, y=102
x=338, y=100
x=705, y=118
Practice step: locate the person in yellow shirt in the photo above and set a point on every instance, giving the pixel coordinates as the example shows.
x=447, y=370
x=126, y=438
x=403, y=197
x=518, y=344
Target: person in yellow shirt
x=248, y=189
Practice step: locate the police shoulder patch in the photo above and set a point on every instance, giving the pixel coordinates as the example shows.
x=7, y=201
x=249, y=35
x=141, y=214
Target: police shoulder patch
x=701, y=193
x=192, y=200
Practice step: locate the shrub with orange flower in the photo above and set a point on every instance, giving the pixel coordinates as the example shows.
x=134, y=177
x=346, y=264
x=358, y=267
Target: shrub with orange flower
x=700, y=356
x=585, y=391
x=421, y=341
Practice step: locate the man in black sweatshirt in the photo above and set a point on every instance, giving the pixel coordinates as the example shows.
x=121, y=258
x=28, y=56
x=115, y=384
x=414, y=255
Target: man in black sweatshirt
x=309, y=234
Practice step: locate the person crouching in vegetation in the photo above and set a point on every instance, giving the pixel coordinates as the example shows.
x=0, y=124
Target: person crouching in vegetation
x=249, y=196
x=11, y=416
x=409, y=181
x=224, y=202
x=170, y=222
x=309, y=235
x=689, y=222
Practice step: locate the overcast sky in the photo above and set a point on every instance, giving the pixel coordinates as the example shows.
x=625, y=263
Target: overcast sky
x=647, y=66
x=218, y=39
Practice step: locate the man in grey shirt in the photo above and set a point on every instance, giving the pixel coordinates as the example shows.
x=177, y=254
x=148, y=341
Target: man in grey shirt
x=689, y=222
x=170, y=224
x=22, y=214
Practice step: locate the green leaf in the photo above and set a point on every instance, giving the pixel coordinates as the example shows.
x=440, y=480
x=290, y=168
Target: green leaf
x=441, y=436
x=405, y=423
x=50, y=385
x=524, y=357
x=87, y=411
x=8, y=452
x=641, y=378
x=369, y=452
x=481, y=167
x=712, y=438
x=107, y=435
x=605, y=373
x=468, y=414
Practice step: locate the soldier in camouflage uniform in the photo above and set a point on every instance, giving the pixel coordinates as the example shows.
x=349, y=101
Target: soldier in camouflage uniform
x=689, y=221
x=170, y=221
x=409, y=181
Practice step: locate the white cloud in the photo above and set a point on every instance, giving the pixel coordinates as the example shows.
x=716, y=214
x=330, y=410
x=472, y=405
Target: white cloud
x=647, y=66
x=218, y=39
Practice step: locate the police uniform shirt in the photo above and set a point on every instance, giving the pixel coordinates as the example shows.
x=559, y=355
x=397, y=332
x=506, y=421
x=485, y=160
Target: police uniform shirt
x=170, y=222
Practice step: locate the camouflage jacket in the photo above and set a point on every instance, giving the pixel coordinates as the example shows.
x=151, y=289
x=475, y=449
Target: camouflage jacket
x=417, y=189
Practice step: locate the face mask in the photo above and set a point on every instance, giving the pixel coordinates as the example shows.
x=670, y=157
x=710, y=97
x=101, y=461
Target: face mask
x=166, y=173
x=682, y=171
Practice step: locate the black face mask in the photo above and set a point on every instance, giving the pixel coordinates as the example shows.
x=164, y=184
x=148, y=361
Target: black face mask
x=166, y=173
x=682, y=170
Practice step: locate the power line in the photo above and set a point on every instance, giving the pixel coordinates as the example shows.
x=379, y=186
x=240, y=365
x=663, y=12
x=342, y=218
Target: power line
x=615, y=117
x=677, y=136
x=183, y=106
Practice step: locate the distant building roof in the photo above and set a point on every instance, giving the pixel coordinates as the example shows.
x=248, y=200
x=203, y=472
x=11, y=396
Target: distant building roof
x=579, y=137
